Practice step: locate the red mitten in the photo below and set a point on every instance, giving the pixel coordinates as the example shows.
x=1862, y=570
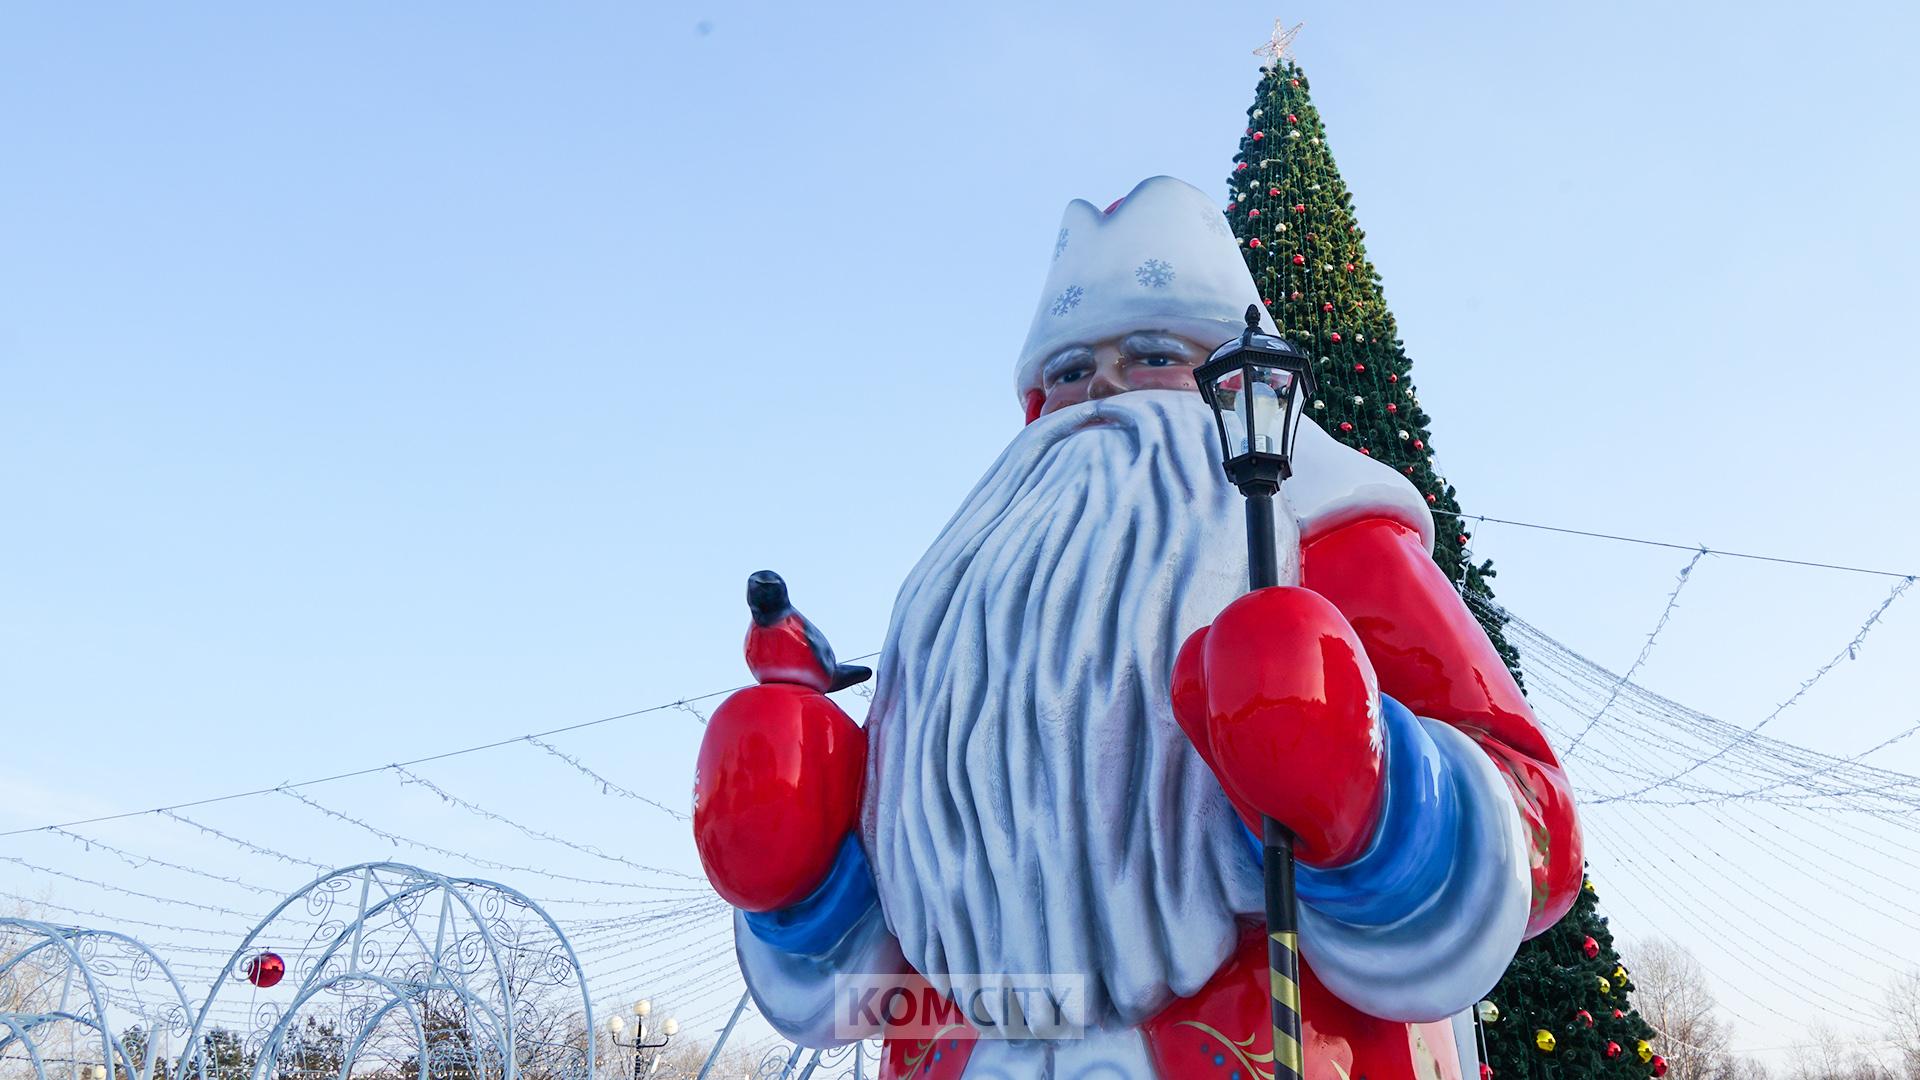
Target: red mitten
x=776, y=791
x=1279, y=698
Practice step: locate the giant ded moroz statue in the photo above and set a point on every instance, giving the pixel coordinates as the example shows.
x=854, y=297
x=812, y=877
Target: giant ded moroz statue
x=1081, y=715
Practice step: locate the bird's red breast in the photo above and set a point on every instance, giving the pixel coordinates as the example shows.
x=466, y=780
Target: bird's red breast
x=781, y=653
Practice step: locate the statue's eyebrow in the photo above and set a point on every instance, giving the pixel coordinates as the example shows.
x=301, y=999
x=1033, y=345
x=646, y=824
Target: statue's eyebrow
x=1060, y=360
x=1147, y=342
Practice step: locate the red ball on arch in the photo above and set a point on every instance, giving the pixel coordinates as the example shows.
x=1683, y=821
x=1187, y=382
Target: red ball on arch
x=266, y=970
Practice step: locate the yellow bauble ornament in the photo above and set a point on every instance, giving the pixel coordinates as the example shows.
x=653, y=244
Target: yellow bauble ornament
x=1605, y=986
x=1545, y=1041
x=1488, y=1012
x=1619, y=973
x=1587, y=884
x=1644, y=1049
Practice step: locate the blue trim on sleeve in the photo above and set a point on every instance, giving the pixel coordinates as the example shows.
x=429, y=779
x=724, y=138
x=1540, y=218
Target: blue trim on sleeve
x=818, y=922
x=1412, y=850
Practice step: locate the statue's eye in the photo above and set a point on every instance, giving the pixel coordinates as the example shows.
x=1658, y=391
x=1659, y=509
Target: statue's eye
x=1071, y=375
x=1158, y=361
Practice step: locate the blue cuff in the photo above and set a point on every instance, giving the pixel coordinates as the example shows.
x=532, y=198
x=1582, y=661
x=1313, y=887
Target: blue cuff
x=1412, y=848
x=817, y=923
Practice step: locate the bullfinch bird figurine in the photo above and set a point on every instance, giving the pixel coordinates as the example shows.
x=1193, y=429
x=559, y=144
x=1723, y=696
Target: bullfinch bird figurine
x=783, y=646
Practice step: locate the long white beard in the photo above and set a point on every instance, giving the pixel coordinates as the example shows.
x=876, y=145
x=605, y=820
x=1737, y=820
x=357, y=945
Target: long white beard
x=1032, y=805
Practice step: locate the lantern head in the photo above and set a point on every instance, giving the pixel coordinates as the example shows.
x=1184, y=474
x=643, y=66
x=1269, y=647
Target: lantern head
x=1255, y=385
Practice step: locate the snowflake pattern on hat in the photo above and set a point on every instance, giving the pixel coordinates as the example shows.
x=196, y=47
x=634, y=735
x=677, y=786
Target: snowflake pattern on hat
x=1067, y=300
x=1154, y=273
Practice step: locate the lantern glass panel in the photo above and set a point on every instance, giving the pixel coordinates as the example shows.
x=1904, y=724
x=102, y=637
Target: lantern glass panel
x=1252, y=401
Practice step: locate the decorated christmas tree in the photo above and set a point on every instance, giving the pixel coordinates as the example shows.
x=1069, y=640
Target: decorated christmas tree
x=1295, y=221
x=1563, y=1009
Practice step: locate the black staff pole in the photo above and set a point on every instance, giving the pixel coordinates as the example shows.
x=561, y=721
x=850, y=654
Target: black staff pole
x=1255, y=385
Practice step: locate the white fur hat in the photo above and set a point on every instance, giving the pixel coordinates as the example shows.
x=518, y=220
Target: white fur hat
x=1162, y=258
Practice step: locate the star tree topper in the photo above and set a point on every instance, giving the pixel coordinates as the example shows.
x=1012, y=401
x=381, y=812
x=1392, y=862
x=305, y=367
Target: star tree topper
x=1280, y=43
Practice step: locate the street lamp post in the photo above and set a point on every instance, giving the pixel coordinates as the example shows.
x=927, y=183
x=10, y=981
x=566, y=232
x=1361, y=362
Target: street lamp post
x=1256, y=384
x=616, y=1025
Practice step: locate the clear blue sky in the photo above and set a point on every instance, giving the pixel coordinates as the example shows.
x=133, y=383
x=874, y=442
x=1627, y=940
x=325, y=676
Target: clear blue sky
x=377, y=379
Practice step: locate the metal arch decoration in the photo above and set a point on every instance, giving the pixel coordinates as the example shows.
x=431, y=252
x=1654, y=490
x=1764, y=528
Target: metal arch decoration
x=88, y=1004
x=779, y=1062
x=442, y=977
x=852, y=1061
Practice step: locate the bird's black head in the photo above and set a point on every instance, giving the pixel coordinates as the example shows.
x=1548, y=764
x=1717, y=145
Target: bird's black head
x=766, y=597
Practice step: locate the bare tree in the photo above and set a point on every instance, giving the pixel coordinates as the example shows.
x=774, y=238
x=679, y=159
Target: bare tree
x=1827, y=1055
x=1903, y=1022
x=1671, y=991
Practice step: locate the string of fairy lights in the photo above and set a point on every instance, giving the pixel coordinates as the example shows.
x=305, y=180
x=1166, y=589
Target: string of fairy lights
x=1678, y=804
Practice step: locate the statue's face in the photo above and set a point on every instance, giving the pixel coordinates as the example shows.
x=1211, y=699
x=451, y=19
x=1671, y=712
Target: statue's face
x=1138, y=360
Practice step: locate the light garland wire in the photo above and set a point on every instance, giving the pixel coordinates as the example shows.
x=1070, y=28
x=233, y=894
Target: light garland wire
x=409, y=777
x=1851, y=651
x=608, y=787
x=1666, y=613
x=476, y=860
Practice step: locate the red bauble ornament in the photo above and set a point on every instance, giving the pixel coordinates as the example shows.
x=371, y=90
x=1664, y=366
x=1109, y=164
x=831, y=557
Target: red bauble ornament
x=1430, y=498
x=1393, y=378
x=1293, y=82
x=1486, y=1071
x=1259, y=135
x=1253, y=213
x=1242, y=167
x=1255, y=242
x=1392, y=408
x=266, y=970
x=1300, y=208
x=1345, y=426
x=1230, y=207
x=1295, y=295
x=1349, y=268
x=1326, y=307
x=1618, y=1015
x=1613, y=1049
x=1356, y=367
x=1292, y=119
x=1268, y=300
x=1462, y=538
x=1366, y=451
x=1335, y=336
x=1418, y=445
x=1274, y=191
x=1584, y=1017
x=1299, y=260
x=1591, y=948
x=1659, y=1065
